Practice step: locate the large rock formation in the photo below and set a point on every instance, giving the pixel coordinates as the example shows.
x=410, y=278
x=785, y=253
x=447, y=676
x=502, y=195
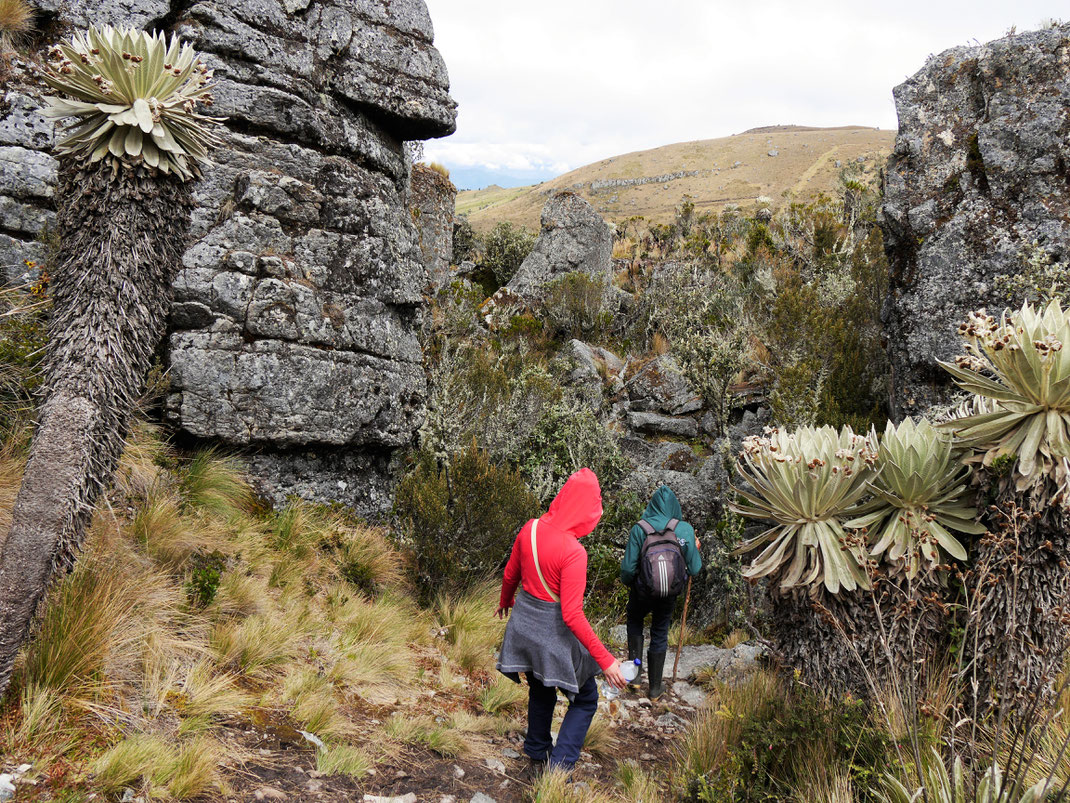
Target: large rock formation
x=294, y=329
x=978, y=173
x=432, y=201
x=574, y=238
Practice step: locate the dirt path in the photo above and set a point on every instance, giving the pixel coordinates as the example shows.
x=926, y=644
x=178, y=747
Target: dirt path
x=283, y=766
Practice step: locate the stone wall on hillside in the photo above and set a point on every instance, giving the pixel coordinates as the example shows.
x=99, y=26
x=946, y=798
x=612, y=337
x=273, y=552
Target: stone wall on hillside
x=294, y=328
x=979, y=172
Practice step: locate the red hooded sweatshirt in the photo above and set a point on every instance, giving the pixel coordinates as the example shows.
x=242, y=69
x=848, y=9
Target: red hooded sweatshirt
x=573, y=514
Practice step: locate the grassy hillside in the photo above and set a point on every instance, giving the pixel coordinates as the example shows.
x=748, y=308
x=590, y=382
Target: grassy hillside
x=713, y=172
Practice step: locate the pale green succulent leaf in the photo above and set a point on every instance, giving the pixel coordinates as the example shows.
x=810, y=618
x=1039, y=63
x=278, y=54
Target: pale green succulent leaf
x=133, y=92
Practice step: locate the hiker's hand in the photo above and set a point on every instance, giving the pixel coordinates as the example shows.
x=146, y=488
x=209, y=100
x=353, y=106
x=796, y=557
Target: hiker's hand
x=502, y=612
x=614, y=677
x=698, y=544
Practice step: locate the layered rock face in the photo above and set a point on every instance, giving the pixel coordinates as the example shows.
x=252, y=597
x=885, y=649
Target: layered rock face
x=979, y=173
x=294, y=328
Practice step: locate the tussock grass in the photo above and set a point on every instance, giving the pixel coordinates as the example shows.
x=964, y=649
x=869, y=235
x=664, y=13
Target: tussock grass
x=240, y=595
x=822, y=781
x=313, y=705
x=471, y=632
x=42, y=712
x=502, y=696
x=194, y=772
x=344, y=759
x=167, y=536
x=719, y=725
x=136, y=761
x=215, y=484
x=141, y=467
x=638, y=785
x=600, y=739
x=208, y=696
x=441, y=737
x=97, y=618
x=735, y=638
x=141, y=761
x=258, y=645
x=16, y=20
x=554, y=787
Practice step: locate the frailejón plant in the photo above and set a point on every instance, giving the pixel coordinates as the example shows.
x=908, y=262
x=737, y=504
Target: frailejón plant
x=807, y=483
x=919, y=497
x=1019, y=367
x=124, y=196
x=939, y=787
x=132, y=96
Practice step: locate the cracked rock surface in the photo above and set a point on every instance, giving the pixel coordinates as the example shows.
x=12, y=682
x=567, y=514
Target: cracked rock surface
x=979, y=172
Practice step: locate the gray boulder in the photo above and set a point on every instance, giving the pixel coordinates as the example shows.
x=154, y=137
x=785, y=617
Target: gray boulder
x=660, y=387
x=658, y=424
x=978, y=171
x=573, y=238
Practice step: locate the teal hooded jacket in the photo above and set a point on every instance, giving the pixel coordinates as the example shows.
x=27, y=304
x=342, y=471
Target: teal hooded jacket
x=663, y=506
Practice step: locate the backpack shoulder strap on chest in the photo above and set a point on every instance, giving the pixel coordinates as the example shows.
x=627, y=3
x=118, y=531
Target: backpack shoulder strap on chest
x=535, y=556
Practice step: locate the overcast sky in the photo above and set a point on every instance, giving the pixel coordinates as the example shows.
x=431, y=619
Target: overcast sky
x=544, y=86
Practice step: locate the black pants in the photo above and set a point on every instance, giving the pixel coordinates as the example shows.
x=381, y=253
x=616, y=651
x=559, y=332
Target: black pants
x=539, y=744
x=660, y=610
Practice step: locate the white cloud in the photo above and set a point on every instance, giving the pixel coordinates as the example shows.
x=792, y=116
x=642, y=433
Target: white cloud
x=557, y=84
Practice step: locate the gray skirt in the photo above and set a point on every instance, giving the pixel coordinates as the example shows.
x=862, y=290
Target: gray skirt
x=537, y=641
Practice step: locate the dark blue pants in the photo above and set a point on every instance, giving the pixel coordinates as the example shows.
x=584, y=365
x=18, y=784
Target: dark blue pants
x=660, y=610
x=538, y=744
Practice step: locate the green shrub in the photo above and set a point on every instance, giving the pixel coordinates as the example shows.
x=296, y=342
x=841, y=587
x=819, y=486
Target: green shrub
x=568, y=437
x=1040, y=280
x=204, y=576
x=504, y=248
x=460, y=516
x=573, y=306
x=706, y=317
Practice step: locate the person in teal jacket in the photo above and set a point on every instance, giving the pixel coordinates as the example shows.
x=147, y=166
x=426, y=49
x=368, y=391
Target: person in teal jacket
x=663, y=507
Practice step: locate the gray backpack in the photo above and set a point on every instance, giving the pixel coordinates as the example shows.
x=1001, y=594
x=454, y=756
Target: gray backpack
x=662, y=572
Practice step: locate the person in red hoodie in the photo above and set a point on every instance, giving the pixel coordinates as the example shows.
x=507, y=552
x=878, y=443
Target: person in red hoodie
x=548, y=638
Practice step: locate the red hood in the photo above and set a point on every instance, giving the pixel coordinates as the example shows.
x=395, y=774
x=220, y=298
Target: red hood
x=578, y=505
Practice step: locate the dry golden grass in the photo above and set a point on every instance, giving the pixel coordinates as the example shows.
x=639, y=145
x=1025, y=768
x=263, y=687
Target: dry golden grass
x=344, y=760
x=637, y=785
x=469, y=628
x=441, y=737
x=805, y=165
x=600, y=739
x=554, y=787
x=503, y=696
x=16, y=20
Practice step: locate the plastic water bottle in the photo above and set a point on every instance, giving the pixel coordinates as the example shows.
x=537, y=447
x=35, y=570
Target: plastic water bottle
x=630, y=670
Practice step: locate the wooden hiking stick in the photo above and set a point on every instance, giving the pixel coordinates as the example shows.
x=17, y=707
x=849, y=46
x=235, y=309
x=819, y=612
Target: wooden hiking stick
x=683, y=627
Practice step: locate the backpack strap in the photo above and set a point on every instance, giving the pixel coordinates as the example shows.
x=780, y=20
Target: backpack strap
x=671, y=526
x=535, y=555
x=647, y=527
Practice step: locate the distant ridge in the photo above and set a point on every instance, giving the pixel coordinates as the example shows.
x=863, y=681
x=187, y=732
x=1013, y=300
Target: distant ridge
x=781, y=162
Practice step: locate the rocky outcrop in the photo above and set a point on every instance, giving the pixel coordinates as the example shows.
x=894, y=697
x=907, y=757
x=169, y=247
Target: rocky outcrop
x=294, y=331
x=432, y=200
x=573, y=238
x=979, y=172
